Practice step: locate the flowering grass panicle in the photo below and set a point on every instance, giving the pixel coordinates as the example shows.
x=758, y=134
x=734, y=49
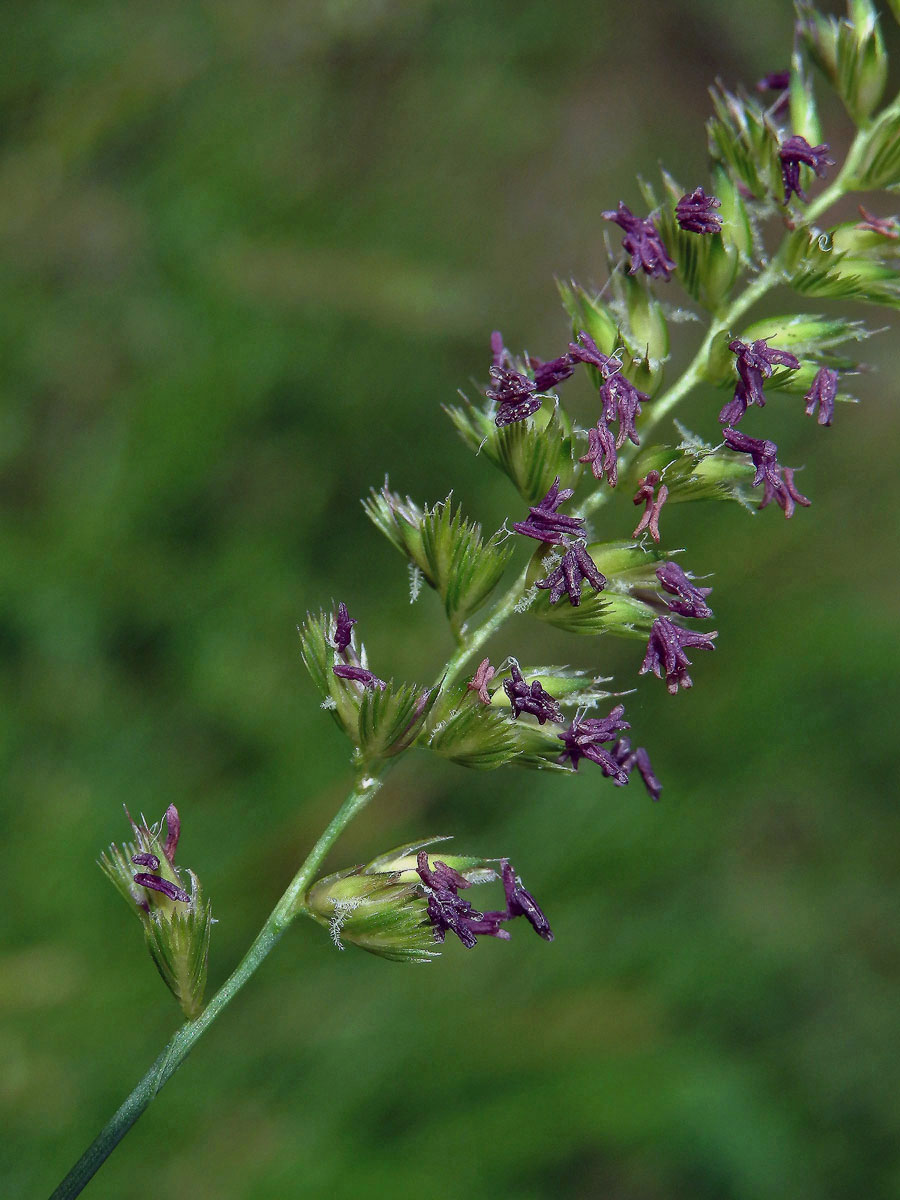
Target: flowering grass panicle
x=766, y=224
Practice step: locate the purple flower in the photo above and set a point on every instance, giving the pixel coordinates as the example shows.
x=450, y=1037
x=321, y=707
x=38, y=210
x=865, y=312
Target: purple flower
x=794, y=151
x=514, y=393
x=645, y=495
x=146, y=860
x=777, y=81
x=520, y=903
x=479, y=681
x=343, y=628
x=173, y=833
x=666, y=652
x=754, y=364
x=784, y=493
x=622, y=401
x=601, y=454
x=628, y=759
x=643, y=242
x=733, y=412
x=585, y=737
x=690, y=601
x=886, y=226
x=448, y=912
x=440, y=876
x=777, y=481
x=822, y=392
x=157, y=884
x=762, y=452
x=547, y=525
x=530, y=698
x=149, y=879
x=358, y=675
x=548, y=374
x=576, y=566
x=500, y=356
x=694, y=213
x=585, y=350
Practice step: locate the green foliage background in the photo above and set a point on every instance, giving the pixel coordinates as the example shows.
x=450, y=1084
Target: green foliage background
x=249, y=251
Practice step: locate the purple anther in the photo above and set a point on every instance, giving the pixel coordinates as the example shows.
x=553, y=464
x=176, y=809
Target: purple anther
x=666, y=655
x=794, y=151
x=156, y=883
x=643, y=242
x=480, y=680
x=358, y=675
x=575, y=567
x=653, y=501
x=690, y=600
x=695, y=213
x=146, y=860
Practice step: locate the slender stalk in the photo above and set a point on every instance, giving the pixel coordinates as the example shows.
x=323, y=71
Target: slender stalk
x=292, y=903
x=472, y=642
x=178, y=1048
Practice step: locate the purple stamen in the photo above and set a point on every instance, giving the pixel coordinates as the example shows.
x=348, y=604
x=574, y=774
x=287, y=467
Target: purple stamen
x=500, y=356
x=645, y=495
x=479, y=681
x=548, y=374
x=358, y=675
x=602, y=454
x=520, y=903
x=754, y=364
x=777, y=481
x=146, y=860
x=515, y=395
x=173, y=832
x=690, y=600
x=628, y=759
x=157, y=884
x=822, y=393
x=446, y=911
x=585, y=350
x=547, y=525
x=622, y=401
x=440, y=875
x=794, y=151
x=643, y=242
x=694, y=213
x=666, y=652
x=576, y=566
x=777, y=81
x=343, y=628
x=886, y=226
x=584, y=738
x=784, y=493
x=530, y=698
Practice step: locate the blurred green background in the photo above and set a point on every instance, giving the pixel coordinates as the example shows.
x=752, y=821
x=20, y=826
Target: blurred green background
x=250, y=249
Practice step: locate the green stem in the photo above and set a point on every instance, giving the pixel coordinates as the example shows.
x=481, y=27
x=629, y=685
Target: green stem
x=473, y=641
x=287, y=908
x=292, y=902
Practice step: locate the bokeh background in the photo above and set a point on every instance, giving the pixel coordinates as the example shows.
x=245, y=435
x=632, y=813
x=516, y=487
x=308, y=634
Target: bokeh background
x=249, y=251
